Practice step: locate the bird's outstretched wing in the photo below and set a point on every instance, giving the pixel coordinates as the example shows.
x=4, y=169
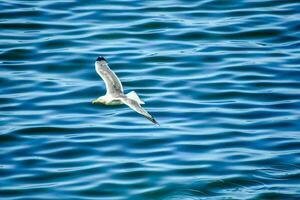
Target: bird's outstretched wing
x=137, y=107
x=113, y=84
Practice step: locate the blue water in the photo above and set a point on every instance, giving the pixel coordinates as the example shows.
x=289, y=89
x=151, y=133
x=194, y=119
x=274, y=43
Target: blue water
x=221, y=77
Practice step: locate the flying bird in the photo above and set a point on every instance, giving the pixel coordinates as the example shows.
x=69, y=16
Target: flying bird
x=114, y=91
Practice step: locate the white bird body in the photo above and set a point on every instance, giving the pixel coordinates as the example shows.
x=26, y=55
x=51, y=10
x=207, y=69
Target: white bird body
x=114, y=91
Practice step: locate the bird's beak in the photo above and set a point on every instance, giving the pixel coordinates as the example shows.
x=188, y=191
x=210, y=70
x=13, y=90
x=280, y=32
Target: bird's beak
x=94, y=101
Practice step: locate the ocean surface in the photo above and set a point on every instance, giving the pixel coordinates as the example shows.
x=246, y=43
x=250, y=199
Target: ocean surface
x=222, y=77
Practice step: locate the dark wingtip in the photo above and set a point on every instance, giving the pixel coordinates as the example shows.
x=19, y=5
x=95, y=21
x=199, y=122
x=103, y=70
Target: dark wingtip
x=153, y=120
x=100, y=58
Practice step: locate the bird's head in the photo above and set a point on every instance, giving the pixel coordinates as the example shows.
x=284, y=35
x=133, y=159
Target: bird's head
x=99, y=100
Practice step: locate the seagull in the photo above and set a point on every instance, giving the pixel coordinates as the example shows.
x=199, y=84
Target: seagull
x=114, y=91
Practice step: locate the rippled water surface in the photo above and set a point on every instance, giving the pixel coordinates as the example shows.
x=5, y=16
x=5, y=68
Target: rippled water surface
x=221, y=77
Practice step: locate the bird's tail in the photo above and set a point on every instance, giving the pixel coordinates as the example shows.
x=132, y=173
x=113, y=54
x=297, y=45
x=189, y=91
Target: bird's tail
x=133, y=95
